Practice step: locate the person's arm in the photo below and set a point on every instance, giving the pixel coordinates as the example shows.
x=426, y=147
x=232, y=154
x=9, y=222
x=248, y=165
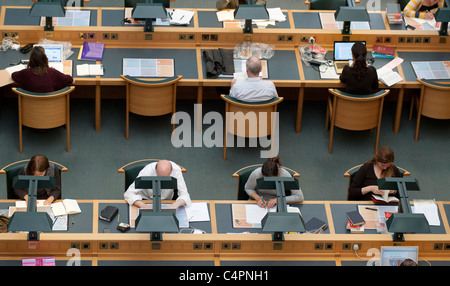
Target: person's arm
x=183, y=195
x=296, y=195
x=222, y=4
x=250, y=187
x=62, y=80
x=375, y=82
x=133, y=195
x=56, y=192
x=343, y=76
x=411, y=9
x=357, y=188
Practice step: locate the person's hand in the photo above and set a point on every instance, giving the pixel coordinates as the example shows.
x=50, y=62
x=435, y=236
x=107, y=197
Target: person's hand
x=429, y=16
x=271, y=203
x=49, y=201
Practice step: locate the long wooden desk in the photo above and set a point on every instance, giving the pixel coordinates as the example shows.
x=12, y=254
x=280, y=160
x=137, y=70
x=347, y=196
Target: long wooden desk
x=100, y=243
x=185, y=43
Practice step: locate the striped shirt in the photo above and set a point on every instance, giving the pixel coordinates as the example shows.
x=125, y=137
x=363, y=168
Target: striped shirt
x=413, y=8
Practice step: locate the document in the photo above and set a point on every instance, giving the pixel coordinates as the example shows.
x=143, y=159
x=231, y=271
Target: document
x=250, y=215
x=75, y=18
x=276, y=14
x=198, y=212
x=181, y=17
x=66, y=206
x=327, y=72
x=432, y=69
x=429, y=209
x=225, y=15
x=148, y=67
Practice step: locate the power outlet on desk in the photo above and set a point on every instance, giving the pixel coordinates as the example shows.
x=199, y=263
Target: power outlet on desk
x=409, y=40
x=438, y=246
x=106, y=36
x=418, y=40
x=442, y=40
x=197, y=246
x=379, y=39
x=15, y=35
x=114, y=36
x=208, y=246
x=401, y=40
x=426, y=40
x=387, y=40
x=304, y=39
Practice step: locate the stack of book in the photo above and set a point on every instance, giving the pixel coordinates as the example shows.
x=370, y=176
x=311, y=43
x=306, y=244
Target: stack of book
x=355, y=222
x=393, y=13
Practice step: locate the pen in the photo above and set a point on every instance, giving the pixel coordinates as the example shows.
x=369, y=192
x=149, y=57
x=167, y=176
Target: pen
x=264, y=202
x=118, y=217
x=372, y=209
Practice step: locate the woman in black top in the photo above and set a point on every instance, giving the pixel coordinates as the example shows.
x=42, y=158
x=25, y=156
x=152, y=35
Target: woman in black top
x=364, y=183
x=359, y=78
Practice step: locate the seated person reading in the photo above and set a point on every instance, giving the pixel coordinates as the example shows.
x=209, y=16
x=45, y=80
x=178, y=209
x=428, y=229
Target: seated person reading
x=423, y=9
x=254, y=88
x=268, y=198
x=40, y=166
x=233, y=4
x=38, y=76
x=359, y=78
x=162, y=168
x=364, y=183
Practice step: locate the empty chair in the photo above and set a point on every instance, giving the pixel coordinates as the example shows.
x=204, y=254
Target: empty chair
x=433, y=102
x=354, y=112
x=150, y=97
x=44, y=110
x=243, y=118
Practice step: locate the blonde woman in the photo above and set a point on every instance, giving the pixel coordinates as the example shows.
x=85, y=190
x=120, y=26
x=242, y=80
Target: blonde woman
x=424, y=9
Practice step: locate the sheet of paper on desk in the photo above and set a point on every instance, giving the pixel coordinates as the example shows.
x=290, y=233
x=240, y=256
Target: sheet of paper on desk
x=198, y=212
x=15, y=68
x=276, y=14
x=75, y=18
x=429, y=209
x=181, y=17
x=225, y=15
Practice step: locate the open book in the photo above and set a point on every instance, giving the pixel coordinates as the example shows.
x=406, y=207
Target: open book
x=385, y=198
x=89, y=69
x=66, y=206
x=388, y=76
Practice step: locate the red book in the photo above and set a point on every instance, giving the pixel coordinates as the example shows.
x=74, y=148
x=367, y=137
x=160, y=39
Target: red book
x=383, y=50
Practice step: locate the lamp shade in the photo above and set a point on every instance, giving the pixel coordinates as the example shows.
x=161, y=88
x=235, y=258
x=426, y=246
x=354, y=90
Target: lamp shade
x=282, y=222
x=156, y=222
x=47, y=9
x=345, y=13
x=442, y=15
x=30, y=221
x=149, y=11
x=254, y=12
x=408, y=223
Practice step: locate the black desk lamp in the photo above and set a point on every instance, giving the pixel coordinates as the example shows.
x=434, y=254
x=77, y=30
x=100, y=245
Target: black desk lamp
x=404, y=221
x=156, y=222
x=281, y=221
x=149, y=11
x=31, y=220
x=348, y=14
x=48, y=10
x=443, y=15
x=251, y=12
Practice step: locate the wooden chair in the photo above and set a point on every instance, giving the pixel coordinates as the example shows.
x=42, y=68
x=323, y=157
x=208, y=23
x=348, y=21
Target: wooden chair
x=350, y=174
x=243, y=174
x=132, y=169
x=12, y=170
x=44, y=110
x=354, y=112
x=433, y=102
x=248, y=126
x=328, y=4
x=150, y=97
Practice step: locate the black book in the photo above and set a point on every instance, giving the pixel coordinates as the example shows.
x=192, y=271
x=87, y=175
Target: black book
x=355, y=218
x=108, y=213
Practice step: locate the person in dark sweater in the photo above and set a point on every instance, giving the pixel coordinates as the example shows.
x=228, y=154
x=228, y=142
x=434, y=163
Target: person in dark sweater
x=40, y=166
x=38, y=76
x=364, y=183
x=359, y=78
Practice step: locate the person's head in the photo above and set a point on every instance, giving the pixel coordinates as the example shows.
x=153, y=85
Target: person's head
x=384, y=159
x=253, y=66
x=408, y=262
x=37, y=166
x=38, y=61
x=359, y=53
x=163, y=168
x=270, y=168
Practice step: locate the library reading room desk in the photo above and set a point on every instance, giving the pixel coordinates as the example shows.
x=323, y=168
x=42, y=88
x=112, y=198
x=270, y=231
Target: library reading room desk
x=185, y=44
x=100, y=243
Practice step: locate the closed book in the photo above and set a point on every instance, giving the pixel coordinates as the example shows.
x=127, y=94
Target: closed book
x=355, y=218
x=91, y=51
x=315, y=225
x=383, y=50
x=108, y=213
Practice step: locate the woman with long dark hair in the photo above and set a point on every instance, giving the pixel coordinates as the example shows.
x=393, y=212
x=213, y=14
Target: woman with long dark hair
x=38, y=76
x=359, y=77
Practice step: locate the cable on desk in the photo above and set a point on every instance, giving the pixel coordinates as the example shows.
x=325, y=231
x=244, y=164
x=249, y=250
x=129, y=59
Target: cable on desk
x=9, y=43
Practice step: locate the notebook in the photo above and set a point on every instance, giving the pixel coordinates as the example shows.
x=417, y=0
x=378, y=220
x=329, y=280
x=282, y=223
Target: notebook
x=342, y=54
x=54, y=55
x=395, y=255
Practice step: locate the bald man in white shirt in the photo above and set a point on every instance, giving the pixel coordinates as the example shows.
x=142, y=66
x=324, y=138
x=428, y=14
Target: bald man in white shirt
x=254, y=88
x=161, y=168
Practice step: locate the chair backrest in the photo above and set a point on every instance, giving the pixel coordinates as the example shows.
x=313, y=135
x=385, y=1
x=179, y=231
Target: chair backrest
x=350, y=174
x=54, y=105
x=326, y=4
x=12, y=170
x=243, y=118
x=151, y=97
x=357, y=112
x=131, y=171
x=435, y=99
x=243, y=174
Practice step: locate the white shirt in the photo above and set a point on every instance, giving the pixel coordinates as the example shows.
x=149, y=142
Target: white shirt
x=132, y=194
x=254, y=89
